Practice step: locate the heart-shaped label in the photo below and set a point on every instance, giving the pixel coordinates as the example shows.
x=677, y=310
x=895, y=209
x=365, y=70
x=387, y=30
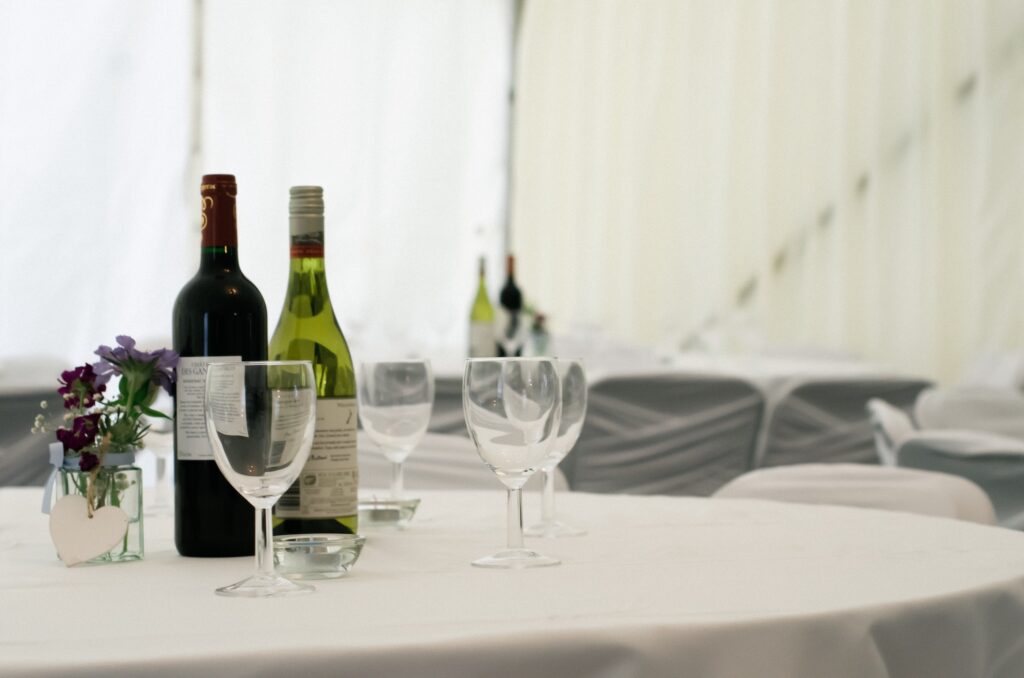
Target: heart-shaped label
x=78, y=537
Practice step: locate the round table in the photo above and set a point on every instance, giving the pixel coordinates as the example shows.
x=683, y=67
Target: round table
x=659, y=587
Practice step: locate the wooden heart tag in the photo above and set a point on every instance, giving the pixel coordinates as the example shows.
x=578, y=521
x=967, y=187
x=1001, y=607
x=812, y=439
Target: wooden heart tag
x=78, y=537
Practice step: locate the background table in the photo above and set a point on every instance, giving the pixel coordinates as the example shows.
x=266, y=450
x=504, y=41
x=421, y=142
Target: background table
x=661, y=587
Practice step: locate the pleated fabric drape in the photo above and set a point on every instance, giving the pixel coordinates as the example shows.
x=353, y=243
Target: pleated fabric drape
x=775, y=174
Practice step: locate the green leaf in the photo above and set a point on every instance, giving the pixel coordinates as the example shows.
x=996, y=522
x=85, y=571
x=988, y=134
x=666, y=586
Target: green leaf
x=150, y=412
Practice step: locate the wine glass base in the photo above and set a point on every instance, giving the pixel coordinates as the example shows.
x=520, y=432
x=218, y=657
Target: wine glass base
x=264, y=586
x=516, y=559
x=554, y=529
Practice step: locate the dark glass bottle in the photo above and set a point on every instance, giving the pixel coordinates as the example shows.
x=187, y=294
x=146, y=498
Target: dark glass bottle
x=218, y=315
x=510, y=343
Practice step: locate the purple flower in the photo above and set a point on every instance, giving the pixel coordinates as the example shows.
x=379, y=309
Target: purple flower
x=140, y=367
x=88, y=461
x=82, y=433
x=80, y=387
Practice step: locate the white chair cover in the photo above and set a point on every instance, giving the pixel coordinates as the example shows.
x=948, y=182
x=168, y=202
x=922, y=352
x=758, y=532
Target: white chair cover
x=674, y=433
x=440, y=462
x=824, y=419
x=864, y=486
x=995, y=463
x=890, y=425
x=996, y=369
x=977, y=408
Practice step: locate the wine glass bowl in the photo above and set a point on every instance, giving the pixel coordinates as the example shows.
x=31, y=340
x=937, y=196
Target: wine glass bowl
x=574, y=409
x=512, y=408
x=395, y=403
x=260, y=417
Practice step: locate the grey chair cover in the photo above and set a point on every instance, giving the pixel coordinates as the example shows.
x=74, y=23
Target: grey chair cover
x=447, y=416
x=995, y=463
x=825, y=419
x=439, y=462
x=890, y=426
x=24, y=456
x=679, y=434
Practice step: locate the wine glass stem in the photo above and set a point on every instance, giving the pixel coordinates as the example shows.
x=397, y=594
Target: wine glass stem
x=515, y=519
x=548, y=497
x=397, y=482
x=264, y=543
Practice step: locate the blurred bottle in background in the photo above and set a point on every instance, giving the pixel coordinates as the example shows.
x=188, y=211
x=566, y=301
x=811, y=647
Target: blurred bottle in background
x=540, y=339
x=482, y=342
x=510, y=330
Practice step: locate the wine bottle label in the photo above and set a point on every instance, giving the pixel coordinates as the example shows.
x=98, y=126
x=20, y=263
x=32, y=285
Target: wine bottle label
x=226, y=408
x=192, y=443
x=481, y=340
x=307, y=250
x=288, y=426
x=328, y=486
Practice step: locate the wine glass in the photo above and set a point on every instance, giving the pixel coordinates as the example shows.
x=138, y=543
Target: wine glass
x=260, y=418
x=395, y=401
x=574, y=409
x=512, y=408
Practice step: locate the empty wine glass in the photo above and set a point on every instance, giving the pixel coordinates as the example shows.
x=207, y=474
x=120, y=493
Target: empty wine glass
x=574, y=409
x=512, y=408
x=395, y=401
x=260, y=418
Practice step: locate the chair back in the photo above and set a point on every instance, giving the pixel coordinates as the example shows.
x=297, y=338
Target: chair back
x=667, y=433
x=890, y=426
x=994, y=463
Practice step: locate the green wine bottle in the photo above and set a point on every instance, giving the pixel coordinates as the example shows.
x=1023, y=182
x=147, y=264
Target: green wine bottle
x=325, y=497
x=481, y=320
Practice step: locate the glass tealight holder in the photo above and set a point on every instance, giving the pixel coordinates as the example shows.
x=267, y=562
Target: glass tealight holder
x=396, y=513
x=316, y=556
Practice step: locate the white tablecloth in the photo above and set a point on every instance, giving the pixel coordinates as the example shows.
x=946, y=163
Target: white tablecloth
x=660, y=587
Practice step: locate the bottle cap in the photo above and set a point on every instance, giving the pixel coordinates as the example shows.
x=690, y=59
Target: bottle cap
x=215, y=179
x=306, y=210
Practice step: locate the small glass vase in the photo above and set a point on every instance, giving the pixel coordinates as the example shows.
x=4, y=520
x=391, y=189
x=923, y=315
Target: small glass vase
x=115, y=486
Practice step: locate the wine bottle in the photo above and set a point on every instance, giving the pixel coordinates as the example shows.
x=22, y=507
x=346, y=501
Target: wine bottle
x=481, y=320
x=219, y=315
x=325, y=497
x=510, y=343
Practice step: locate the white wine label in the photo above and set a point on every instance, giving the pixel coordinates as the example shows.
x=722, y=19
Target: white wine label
x=328, y=486
x=481, y=340
x=192, y=443
x=288, y=425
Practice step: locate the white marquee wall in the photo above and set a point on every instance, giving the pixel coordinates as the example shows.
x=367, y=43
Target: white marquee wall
x=836, y=174
x=399, y=109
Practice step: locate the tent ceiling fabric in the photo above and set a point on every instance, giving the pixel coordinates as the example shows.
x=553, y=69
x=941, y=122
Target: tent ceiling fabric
x=830, y=173
x=400, y=110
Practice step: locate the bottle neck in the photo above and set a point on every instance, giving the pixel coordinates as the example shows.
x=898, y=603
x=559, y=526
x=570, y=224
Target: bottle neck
x=307, y=270
x=218, y=258
x=220, y=224
x=481, y=291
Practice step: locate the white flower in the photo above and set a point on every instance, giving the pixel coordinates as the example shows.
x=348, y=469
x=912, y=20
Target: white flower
x=43, y=404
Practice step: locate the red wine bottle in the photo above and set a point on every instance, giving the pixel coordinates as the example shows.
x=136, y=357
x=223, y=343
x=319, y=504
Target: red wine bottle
x=219, y=315
x=510, y=339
